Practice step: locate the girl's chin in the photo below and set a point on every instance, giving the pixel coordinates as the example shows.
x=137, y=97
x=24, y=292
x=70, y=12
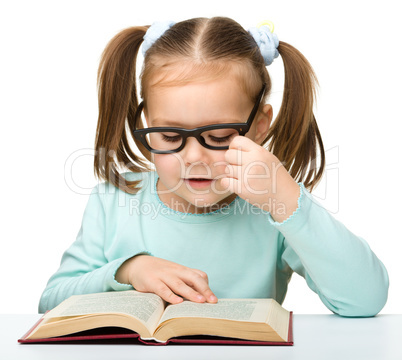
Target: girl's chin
x=205, y=205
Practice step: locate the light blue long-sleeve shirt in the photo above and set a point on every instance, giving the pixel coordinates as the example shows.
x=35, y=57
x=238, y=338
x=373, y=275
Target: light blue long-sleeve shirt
x=245, y=253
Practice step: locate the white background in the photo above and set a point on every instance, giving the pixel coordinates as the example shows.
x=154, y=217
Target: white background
x=48, y=109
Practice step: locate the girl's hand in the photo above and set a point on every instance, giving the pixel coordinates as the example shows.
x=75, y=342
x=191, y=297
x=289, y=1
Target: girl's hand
x=166, y=279
x=257, y=176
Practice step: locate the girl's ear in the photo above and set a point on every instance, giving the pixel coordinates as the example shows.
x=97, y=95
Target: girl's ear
x=263, y=123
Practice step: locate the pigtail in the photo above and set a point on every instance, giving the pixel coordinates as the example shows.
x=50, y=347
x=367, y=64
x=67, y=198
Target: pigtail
x=294, y=135
x=117, y=96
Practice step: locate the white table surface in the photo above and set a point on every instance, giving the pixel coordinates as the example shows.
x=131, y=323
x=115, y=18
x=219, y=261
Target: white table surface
x=323, y=337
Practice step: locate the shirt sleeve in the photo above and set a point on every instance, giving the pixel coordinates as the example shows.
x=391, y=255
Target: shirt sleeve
x=336, y=264
x=84, y=268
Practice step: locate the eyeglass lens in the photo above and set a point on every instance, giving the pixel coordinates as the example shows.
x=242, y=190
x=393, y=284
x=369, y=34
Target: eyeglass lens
x=168, y=140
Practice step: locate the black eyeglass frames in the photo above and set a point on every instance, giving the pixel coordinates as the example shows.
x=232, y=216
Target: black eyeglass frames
x=167, y=140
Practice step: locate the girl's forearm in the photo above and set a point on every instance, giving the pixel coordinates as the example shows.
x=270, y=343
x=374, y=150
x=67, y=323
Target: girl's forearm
x=339, y=266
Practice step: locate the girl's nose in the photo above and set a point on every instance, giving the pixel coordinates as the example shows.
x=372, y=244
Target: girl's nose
x=194, y=152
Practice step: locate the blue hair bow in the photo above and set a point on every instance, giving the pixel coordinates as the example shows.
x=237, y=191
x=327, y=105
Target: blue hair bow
x=267, y=42
x=155, y=31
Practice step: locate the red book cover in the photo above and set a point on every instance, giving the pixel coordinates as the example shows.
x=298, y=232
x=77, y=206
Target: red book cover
x=112, y=335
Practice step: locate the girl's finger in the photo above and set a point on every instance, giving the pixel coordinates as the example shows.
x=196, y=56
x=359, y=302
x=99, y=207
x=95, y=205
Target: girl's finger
x=179, y=287
x=202, y=274
x=231, y=184
x=242, y=143
x=234, y=156
x=162, y=290
x=200, y=285
x=233, y=171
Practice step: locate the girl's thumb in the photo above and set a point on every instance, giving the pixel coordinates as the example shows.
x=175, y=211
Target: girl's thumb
x=229, y=184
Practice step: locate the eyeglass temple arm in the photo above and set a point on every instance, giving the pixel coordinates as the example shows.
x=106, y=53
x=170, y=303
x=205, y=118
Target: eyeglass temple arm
x=256, y=105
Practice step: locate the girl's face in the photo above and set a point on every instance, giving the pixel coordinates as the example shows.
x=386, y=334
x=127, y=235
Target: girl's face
x=199, y=104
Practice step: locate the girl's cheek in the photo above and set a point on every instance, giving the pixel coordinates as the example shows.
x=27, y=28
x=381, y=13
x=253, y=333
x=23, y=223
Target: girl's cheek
x=171, y=163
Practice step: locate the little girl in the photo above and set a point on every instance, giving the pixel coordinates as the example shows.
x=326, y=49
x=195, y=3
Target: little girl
x=222, y=216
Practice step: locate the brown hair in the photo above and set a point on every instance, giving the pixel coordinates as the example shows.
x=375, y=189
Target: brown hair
x=202, y=48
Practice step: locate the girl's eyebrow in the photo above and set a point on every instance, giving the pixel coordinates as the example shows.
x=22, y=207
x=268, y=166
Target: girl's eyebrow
x=165, y=122
x=159, y=122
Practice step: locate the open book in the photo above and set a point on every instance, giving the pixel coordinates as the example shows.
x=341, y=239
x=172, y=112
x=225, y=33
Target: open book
x=146, y=317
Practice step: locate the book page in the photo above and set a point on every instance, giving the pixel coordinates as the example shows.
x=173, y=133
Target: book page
x=144, y=306
x=253, y=310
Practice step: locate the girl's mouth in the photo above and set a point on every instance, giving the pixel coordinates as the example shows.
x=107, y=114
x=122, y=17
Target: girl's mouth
x=198, y=183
